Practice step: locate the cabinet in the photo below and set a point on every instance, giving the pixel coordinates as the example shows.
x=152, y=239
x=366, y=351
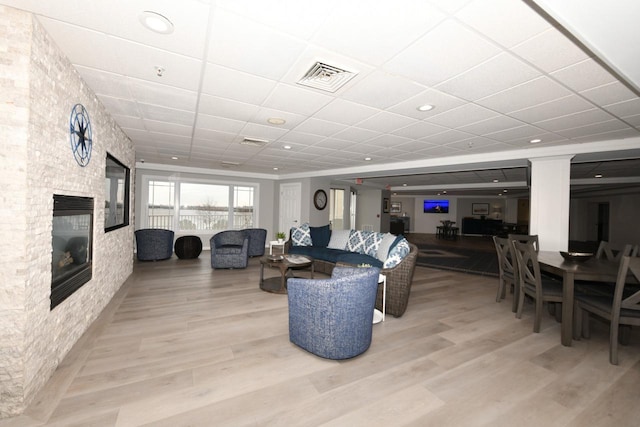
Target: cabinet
x=485, y=227
x=400, y=225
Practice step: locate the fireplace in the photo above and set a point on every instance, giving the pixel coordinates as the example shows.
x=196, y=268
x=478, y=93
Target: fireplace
x=72, y=245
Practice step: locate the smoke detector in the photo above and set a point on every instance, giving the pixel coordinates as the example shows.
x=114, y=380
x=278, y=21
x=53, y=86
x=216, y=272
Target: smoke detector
x=326, y=77
x=255, y=142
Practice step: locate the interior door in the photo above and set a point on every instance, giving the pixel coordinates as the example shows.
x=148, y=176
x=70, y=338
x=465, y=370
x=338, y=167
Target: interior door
x=290, y=195
x=603, y=221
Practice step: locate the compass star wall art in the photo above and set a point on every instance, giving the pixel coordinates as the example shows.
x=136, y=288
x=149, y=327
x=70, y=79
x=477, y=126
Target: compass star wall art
x=80, y=134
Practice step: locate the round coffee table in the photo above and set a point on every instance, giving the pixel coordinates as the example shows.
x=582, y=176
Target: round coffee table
x=285, y=264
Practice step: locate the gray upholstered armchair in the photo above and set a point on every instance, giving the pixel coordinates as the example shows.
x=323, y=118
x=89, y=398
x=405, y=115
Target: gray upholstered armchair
x=154, y=244
x=257, y=239
x=333, y=317
x=229, y=249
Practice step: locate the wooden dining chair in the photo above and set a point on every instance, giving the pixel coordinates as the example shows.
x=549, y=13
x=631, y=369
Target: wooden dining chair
x=533, y=284
x=606, y=251
x=621, y=309
x=508, y=271
x=524, y=238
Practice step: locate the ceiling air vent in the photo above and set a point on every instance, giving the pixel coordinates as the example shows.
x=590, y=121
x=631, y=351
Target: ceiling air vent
x=228, y=164
x=326, y=77
x=255, y=142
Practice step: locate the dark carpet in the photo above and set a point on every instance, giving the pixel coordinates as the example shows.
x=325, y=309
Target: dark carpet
x=458, y=259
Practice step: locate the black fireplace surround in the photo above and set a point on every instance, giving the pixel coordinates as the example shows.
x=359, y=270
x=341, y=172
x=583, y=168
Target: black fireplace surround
x=72, y=245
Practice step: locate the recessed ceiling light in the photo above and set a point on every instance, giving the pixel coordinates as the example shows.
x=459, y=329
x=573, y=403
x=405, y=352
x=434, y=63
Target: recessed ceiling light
x=286, y=147
x=156, y=22
x=444, y=192
x=495, y=180
x=404, y=185
x=598, y=175
x=425, y=107
x=276, y=121
x=367, y=159
x=275, y=169
x=535, y=141
x=504, y=191
x=174, y=158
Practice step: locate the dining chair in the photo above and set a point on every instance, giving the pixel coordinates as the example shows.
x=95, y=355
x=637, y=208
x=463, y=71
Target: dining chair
x=621, y=309
x=533, y=284
x=524, y=238
x=508, y=270
x=605, y=250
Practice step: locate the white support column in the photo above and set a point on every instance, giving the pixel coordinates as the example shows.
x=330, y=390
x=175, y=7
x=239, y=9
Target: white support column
x=549, y=216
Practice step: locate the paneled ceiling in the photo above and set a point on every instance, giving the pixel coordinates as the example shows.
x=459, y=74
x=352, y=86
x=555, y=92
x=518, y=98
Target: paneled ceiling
x=499, y=74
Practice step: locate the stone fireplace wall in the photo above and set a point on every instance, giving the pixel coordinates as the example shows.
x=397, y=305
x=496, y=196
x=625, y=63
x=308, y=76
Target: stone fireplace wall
x=38, y=88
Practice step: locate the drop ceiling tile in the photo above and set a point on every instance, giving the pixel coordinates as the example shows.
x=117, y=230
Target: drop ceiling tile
x=380, y=32
x=594, y=129
x=296, y=98
x=582, y=118
x=255, y=49
x=471, y=144
x=439, y=151
x=413, y=146
x=609, y=94
x=168, y=128
x=227, y=108
x=465, y=114
x=526, y=95
x=386, y=122
x=129, y=122
x=301, y=138
x=357, y=134
x=105, y=83
x=158, y=94
x=494, y=124
x=381, y=90
x=521, y=133
x=333, y=143
x=447, y=137
x=301, y=19
x=439, y=100
x=584, y=75
x=319, y=127
x=558, y=107
x=449, y=6
x=494, y=75
x=214, y=137
x=505, y=21
x=236, y=85
x=550, y=51
x=633, y=120
x=270, y=133
x=604, y=136
x=386, y=153
x=121, y=107
x=430, y=61
x=163, y=114
x=625, y=109
x=387, y=140
x=419, y=130
x=345, y=112
x=219, y=124
x=291, y=119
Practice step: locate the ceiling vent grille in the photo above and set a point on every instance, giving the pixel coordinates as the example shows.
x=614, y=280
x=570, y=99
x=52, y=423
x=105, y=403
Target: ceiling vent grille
x=326, y=77
x=255, y=142
x=228, y=164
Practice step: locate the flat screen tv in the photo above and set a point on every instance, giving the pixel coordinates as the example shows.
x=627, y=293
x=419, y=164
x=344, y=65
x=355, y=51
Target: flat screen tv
x=436, y=206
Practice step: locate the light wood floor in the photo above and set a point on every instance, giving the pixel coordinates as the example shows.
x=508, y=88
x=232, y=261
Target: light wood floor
x=184, y=345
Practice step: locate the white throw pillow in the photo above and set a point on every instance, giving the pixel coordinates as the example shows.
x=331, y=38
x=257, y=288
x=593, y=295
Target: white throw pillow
x=339, y=239
x=383, y=247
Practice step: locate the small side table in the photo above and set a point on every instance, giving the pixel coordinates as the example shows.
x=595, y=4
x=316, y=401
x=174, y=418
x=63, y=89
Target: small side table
x=276, y=243
x=378, y=316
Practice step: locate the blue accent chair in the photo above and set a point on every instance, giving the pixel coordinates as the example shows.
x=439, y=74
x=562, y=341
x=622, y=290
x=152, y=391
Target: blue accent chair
x=333, y=318
x=229, y=249
x=257, y=240
x=154, y=244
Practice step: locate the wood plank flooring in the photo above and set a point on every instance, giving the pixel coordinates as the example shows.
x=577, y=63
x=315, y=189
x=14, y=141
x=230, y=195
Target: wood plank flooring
x=184, y=345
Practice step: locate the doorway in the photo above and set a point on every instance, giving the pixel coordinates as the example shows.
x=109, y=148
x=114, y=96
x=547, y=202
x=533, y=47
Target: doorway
x=289, y=206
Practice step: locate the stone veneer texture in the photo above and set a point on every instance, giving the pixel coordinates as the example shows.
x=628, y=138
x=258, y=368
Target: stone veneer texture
x=39, y=87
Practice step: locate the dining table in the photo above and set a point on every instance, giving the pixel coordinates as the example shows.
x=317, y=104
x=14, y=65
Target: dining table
x=592, y=270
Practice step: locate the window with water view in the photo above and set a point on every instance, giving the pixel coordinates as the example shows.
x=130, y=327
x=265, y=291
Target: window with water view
x=201, y=206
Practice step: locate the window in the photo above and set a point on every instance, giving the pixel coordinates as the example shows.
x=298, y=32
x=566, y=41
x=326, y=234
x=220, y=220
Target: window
x=201, y=206
x=336, y=208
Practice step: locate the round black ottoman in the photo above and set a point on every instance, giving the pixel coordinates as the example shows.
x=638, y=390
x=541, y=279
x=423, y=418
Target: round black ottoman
x=188, y=247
